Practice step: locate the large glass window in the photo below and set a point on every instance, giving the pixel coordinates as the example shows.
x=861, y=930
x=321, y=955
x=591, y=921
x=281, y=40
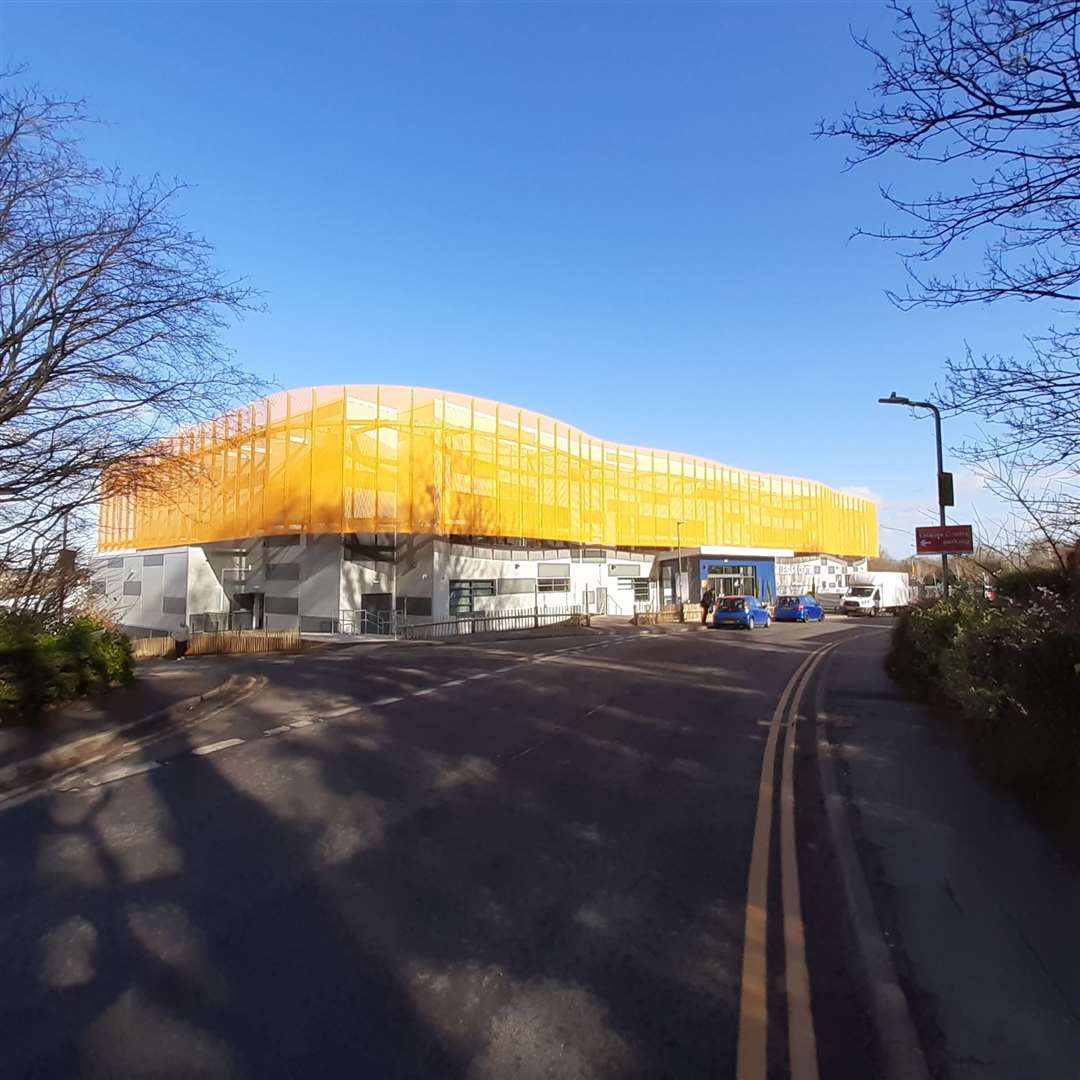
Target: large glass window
x=464, y=593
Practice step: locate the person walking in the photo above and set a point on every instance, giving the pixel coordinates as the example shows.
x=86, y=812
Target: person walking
x=708, y=598
x=181, y=636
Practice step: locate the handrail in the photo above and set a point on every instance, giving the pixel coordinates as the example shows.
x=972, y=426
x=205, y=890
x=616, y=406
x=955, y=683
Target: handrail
x=485, y=622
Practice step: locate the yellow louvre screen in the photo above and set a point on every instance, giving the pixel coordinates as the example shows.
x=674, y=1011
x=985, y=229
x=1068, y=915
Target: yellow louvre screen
x=371, y=459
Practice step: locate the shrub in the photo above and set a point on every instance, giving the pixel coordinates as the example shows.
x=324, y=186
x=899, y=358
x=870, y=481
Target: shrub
x=920, y=638
x=1013, y=673
x=41, y=665
x=1024, y=584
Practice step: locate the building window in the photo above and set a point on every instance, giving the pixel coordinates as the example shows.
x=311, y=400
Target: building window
x=553, y=584
x=414, y=605
x=641, y=589
x=463, y=595
x=291, y=540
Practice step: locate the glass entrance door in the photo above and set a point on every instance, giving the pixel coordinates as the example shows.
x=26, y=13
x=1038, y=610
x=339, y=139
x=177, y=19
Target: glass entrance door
x=742, y=581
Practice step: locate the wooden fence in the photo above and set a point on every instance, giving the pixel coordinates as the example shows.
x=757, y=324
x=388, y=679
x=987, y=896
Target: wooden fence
x=222, y=642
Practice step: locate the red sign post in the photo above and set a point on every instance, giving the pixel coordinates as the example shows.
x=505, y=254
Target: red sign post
x=944, y=540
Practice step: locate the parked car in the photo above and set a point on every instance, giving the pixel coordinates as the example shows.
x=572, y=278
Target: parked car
x=798, y=609
x=746, y=611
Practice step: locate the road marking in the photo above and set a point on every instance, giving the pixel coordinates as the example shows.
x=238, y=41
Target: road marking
x=802, y=1042
x=385, y=701
x=301, y=723
x=500, y=670
x=214, y=747
x=481, y=675
x=124, y=772
x=752, y=1061
x=453, y=682
x=421, y=693
x=276, y=730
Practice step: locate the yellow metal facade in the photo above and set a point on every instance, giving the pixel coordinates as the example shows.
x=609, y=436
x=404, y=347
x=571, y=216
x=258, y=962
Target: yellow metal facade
x=375, y=459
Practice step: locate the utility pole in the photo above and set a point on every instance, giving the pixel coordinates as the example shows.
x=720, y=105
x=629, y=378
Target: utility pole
x=678, y=548
x=62, y=565
x=944, y=479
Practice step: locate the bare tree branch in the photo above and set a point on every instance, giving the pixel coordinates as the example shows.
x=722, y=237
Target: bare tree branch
x=111, y=315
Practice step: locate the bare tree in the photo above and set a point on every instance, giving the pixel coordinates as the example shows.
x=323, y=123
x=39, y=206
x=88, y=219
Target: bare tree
x=987, y=94
x=111, y=315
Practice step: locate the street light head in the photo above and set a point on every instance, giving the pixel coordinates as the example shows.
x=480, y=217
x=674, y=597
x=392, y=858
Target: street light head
x=893, y=399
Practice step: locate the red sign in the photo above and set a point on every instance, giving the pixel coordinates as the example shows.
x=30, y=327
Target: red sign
x=944, y=539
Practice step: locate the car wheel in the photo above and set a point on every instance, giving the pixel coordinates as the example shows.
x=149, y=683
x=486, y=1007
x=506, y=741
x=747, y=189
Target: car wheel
x=768, y=622
x=821, y=617
x=750, y=623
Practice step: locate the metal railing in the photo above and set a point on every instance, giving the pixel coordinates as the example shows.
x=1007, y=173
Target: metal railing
x=486, y=622
x=361, y=621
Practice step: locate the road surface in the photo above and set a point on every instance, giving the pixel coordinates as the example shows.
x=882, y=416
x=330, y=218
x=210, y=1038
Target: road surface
x=550, y=857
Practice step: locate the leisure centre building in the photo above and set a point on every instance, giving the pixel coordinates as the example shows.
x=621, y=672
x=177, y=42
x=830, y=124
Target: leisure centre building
x=329, y=508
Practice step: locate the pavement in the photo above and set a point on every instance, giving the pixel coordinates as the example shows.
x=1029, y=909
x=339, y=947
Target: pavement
x=978, y=906
x=528, y=858
x=159, y=683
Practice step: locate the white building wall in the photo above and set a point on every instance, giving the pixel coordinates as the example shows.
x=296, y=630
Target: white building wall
x=590, y=581
x=204, y=591
x=815, y=573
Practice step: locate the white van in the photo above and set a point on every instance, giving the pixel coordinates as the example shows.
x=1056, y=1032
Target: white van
x=876, y=593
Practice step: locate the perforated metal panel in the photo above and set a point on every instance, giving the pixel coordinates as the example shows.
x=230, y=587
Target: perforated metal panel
x=375, y=459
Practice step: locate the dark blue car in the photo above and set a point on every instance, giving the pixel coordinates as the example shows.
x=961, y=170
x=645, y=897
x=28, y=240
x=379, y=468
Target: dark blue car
x=747, y=611
x=798, y=609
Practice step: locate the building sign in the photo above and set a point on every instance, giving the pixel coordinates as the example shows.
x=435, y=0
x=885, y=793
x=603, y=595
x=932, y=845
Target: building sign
x=944, y=540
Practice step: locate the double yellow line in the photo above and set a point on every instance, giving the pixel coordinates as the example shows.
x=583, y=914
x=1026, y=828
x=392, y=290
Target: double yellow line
x=753, y=1004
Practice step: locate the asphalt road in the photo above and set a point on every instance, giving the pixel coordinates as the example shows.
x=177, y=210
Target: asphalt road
x=518, y=859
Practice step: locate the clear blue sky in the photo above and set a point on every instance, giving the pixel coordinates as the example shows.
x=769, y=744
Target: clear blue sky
x=612, y=213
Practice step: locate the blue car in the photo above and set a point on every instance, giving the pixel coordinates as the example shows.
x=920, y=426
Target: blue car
x=798, y=609
x=746, y=611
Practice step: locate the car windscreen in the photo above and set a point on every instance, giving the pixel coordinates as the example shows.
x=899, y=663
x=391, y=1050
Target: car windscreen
x=787, y=601
x=861, y=590
x=732, y=603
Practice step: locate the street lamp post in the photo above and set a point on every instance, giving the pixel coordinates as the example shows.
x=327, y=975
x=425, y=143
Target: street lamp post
x=678, y=549
x=893, y=399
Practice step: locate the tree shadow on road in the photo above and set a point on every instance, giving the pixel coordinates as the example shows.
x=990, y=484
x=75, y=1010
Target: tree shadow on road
x=545, y=879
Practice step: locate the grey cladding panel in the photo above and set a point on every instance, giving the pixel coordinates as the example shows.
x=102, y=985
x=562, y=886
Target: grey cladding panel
x=553, y=570
x=282, y=605
x=508, y=586
x=283, y=572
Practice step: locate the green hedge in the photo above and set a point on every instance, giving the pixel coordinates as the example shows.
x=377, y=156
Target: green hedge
x=40, y=665
x=1012, y=671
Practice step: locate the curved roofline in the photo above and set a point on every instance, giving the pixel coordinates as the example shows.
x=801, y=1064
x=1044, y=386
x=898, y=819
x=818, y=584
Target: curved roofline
x=561, y=423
